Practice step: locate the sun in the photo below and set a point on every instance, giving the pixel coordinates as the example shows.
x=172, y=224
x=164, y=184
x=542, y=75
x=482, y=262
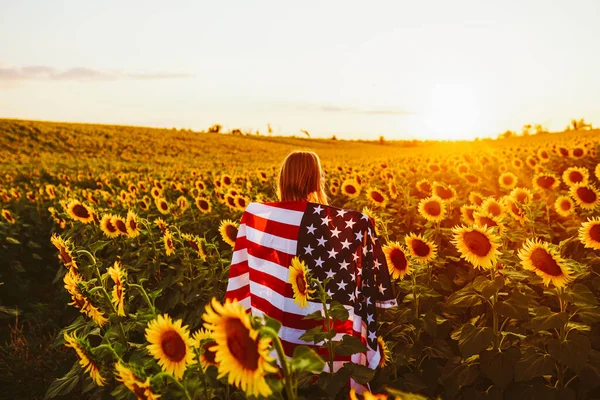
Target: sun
x=452, y=114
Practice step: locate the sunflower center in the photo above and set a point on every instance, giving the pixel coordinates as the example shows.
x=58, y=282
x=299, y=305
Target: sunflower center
x=575, y=176
x=563, y=152
x=433, y=208
x=546, y=181
x=545, y=262
x=173, y=346
x=210, y=355
x=133, y=225
x=508, y=180
x=595, y=232
x=565, y=205
x=164, y=205
x=425, y=187
x=350, y=189
x=420, y=248
x=398, y=259
x=377, y=197
x=487, y=221
x=204, y=204
x=443, y=192
x=231, y=232
x=516, y=210
x=80, y=211
x=121, y=225
x=301, y=283
x=478, y=243
x=65, y=257
x=241, y=346
x=578, y=152
x=494, y=209
x=586, y=194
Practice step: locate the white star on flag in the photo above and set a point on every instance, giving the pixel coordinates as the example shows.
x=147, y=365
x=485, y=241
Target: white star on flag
x=381, y=288
x=369, y=318
x=376, y=264
x=308, y=250
x=352, y=297
x=319, y=262
x=332, y=253
x=311, y=229
x=345, y=244
x=340, y=213
x=359, y=236
x=330, y=273
x=365, y=216
x=322, y=241
x=335, y=232
x=342, y=285
x=350, y=224
x=372, y=335
x=344, y=265
x=326, y=220
x=355, y=256
x=318, y=209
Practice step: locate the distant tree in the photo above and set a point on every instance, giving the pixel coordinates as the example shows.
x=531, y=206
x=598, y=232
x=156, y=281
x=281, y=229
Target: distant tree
x=269, y=129
x=216, y=128
x=305, y=132
x=539, y=129
x=237, y=132
x=381, y=139
x=526, y=131
x=578, y=125
x=507, y=134
x=334, y=137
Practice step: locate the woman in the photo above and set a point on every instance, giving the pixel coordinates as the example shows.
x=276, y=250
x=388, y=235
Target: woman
x=331, y=242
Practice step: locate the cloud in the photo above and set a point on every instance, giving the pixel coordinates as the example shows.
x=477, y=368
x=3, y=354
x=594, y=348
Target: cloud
x=41, y=73
x=354, y=110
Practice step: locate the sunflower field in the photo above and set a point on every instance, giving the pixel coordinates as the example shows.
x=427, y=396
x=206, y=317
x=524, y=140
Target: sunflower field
x=115, y=244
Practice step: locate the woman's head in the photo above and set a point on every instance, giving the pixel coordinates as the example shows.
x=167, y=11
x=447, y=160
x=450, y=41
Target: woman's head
x=301, y=178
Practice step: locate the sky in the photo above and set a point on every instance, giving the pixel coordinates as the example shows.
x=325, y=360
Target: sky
x=355, y=69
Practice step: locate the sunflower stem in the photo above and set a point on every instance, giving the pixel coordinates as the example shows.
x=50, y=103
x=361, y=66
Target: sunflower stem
x=287, y=378
x=141, y=289
x=112, y=306
x=174, y=380
x=323, y=298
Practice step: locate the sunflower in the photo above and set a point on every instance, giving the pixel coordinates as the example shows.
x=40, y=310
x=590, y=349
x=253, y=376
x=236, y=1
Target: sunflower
x=299, y=279
x=392, y=189
x=517, y=163
x=384, y=352
x=531, y=161
x=432, y=208
x=119, y=224
x=200, y=185
x=51, y=191
x=170, y=344
x=471, y=179
x=578, y=153
x=545, y=181
x=226, y=180
x=597, y=171
x=397, y=261
x=333, y=190
x=241, y=202
x=586, y=196
x=207, y=358
x=377, y=197
x=229, y=231
x=31, y=196
x=183, y=203
x=156, y=192
x=351, y=188
x=543, y=259
x=133, y=228
x=118, y=276
x=477, y=244
x=515, y=210
x=142, y=390
x=64, y=250
x=486, y=219
x=85, y=360
x=73, y=281
x=564, y=206
x=161, y=225
x=575, y=176
x=521, y=195
x=543, y=155
x=169, y=245
x=196, y=244
x=162, y=205
x=424, y=186
x=507, y=180
x=589, y=233
x=492, y=206
x=422, y=250
x=240, y=353
x=466, y=212
x=203, y=205
x=476, y=198
x=79, y=212
x=445, y=192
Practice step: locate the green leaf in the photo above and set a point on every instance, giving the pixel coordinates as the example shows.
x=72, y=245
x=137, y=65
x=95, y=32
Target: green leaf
x=350, y=345
x=306, y=359
x=317, y=315
x=487, y=287
x=359, y=373
x=581, y=296
x=514, y=307
x=533, y=364
x=573, y=351
x=309, y=335
x=337, y=311
x=473, y=340
x=499, y=366
x=589, y=315
x=465, y=298
x=429, y=322
x=66, y=384
x=12, y=240
x=272, y=323
x=545, y=319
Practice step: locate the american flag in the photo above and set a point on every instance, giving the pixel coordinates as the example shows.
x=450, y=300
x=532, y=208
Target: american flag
x=332, y=242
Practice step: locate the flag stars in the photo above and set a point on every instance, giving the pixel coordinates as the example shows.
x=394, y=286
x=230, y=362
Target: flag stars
x=330, y=274
x=344, y=265
x=350, y=224
x=340, y=213
x=355, y=256
x=326, y=220
x=345, y=244
x=322, y=241
x=370, y=318
x=342, y=285
x=359, y=236
x=318, y=210
x=372, y=335
x=332, y=253
x=376, y=264
x=335, y=232
x=308, y=250
x=311, y=229
x=381, y=288
x=319, y=262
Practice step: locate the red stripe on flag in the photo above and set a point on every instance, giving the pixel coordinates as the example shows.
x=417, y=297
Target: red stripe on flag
x=288, y=349
x=238, y=294
x=272, y=227
x=267, y=253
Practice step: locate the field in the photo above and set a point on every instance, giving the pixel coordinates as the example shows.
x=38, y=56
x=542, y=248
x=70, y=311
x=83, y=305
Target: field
x=493, y=246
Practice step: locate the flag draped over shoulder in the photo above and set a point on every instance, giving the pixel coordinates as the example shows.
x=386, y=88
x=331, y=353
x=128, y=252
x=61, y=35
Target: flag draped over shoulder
x=332, y=242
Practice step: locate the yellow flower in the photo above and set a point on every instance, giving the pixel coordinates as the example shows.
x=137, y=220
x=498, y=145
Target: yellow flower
x=86, y=362
x=466, y=212
x=142, y=390
x=169, y=246
x=300, y=282
x=118, y=276
x=478, y=245
x=543, y=259
x=424, y=186
x=486, y=219
x=545, y=181
x=589, y=233
x=521, y=195
x=72, y=281
x=8, y=216
x=367, y=395
x=397, y=261
x=79, y=212
x=196, y=244
x=476, y=198
x=64, y=251
x=492, y=206
x=586, y=196
x=162, y=205
x=170, y=344
x=133, y=229
x=445, y=192
x=107, y=226
x=229, y=231
x=377, y=197
x=161, y=225
x=384, y=352
x=564, y=206
x=241, y=202
x=576, y=176
x=351, y=188
x=422, y=250
x=207, y=358
x=432, y=208
x=508, y=180
x=119, y=223
x=203, y=205
x=240, y=353
x=183, y=203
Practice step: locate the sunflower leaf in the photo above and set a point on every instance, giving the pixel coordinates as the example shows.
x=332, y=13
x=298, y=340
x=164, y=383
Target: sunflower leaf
x=473, y=340
x=337, y=311
x=514, y=307
x=465, y=297
x=306, y=359
x=582, y=296
x=66, y=384
x=546, y=319
x=350, y=345
x=317, y=315
x=272, y=323
x=533, y=364
x=573, y=351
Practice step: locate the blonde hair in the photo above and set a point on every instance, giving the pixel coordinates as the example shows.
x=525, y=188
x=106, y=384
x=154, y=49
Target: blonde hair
x=301, y=178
